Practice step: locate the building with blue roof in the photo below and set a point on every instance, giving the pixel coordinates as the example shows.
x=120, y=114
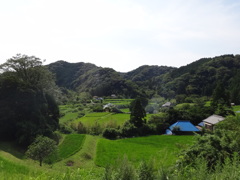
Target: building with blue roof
x=182, y=128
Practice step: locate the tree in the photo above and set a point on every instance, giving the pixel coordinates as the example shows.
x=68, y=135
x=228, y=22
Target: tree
x=27, y=100
x=41, y=148
x=221, y=100
x=138, y=114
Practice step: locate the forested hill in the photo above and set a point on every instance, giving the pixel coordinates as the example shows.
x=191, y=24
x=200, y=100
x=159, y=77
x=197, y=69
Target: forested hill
x=197, y=78
x=85, y=77
x=201, y=78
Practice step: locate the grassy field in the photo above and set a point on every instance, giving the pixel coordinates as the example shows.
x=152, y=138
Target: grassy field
x=71, y=144
x=162, y=149
x=89, y=154
x=236, y=108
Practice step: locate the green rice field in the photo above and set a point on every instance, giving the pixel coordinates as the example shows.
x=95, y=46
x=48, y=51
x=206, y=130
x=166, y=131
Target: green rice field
x=160, y=148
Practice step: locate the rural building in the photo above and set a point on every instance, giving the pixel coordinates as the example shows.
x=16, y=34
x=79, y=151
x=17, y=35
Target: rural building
x=182, y=128
x=108, y=107
x=211, y=121
x=167, y=104
x=111, y=108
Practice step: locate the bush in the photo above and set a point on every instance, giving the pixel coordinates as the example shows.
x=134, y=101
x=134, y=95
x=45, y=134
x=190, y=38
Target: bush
x=65, y=129
x=147, y=129
x=81, y=114
x=56, y=136
x=110, y=133
x=123, y=169
x=128, y=130
x=145, y=171
x=96, y=129
x=97, y=108
x=81, y=129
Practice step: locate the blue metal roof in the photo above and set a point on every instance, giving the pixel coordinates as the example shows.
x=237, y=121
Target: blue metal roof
x=201, y=124
x=184, y=126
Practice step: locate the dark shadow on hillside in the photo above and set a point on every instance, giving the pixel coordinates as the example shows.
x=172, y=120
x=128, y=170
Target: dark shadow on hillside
x=13, y=149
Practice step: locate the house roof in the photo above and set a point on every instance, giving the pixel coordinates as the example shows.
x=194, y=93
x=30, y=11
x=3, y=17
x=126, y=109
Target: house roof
x=166, y=104
x=109, y=105
x=201, y=124
x=214, y=119
x=184, y=126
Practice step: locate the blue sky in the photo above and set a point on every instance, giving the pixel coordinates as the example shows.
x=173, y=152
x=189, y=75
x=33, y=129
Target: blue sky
x=121, y=34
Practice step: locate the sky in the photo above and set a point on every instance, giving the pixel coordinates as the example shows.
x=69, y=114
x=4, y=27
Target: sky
x=120, y=34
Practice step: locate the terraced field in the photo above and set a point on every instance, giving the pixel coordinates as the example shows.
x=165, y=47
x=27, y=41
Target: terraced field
x=162, y=149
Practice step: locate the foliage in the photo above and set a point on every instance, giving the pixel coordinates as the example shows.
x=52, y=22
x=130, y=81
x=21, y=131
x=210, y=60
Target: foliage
x=65, y=129
x=145, y=171
x=98, y=107
x=123, y=169
x=221, y=100
x=27, y=104
x=128, y=130
x=137, y=113
x=41, y=148
x=160, y=123
x=215, y=148
x=81, y=129
x=110, y=133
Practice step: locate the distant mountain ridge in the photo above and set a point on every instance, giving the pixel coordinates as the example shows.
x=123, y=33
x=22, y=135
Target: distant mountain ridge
x=197, y=78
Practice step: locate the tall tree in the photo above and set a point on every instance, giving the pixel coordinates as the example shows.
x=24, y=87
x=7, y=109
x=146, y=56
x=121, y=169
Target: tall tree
x=27, y=104
x=138, y=113
x=221, y=100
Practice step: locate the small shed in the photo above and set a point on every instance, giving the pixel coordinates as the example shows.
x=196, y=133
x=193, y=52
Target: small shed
x=182, y=127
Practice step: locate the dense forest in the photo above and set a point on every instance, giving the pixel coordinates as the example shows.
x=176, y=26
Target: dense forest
x=199, y=78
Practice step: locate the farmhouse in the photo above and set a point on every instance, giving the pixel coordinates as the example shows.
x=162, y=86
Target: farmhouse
x=182, y=128
x=167, y=104
x=211, y=121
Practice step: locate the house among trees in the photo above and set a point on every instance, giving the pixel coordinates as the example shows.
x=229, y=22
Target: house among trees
x=167, y=104
x=182, y=128
x=211, y=121
x=111, y=108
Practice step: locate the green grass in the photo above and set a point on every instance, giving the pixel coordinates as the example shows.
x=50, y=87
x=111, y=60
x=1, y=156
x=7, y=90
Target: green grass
x=163, y=149
x=68, y=117
x=125, y=110
x=12, y=167
x=179, y=106
x=236, y=108
x=70, y=145
x=103, y=118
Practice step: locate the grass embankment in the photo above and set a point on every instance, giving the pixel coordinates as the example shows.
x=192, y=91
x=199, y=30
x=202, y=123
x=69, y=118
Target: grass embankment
x=162, y=149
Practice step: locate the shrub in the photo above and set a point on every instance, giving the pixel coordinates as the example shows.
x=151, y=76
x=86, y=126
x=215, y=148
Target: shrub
x=56, y=136
x=111, y=124
x=97, y=108
x=81, y=129
x=128, y=130
x=123, y=169
x=110, y=133
x=145, y=171
x=147, y=129
x=96, y=129
x=65, y=129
